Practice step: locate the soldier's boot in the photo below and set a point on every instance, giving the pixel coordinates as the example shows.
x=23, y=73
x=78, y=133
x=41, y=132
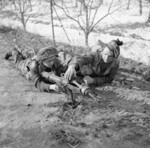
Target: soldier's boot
x=11, y=53
x=8, y=55
x=15, y=54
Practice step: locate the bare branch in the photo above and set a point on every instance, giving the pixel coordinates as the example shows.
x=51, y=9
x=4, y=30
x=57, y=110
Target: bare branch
x=95, y=14
x=81, y=20
x=62, y=25
x=77, y=21
x=21, y=8
x=29, y=16
x=110, y=6
x=108, y=13
x=90, y=9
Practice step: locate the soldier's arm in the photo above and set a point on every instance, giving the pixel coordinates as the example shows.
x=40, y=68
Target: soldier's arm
x=80, y=61
x=42, y=85
x=98, y=81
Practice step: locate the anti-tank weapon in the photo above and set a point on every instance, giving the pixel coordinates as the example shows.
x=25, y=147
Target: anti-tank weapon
x=71, y=87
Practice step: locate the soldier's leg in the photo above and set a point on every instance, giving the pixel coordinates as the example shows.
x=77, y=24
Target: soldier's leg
x=11, y=53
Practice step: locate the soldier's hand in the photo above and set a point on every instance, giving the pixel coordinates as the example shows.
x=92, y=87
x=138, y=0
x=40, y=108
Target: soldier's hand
x=45, y=74
x=88, y=80
x=70, y=73
x=54, y=87
x=57, y=88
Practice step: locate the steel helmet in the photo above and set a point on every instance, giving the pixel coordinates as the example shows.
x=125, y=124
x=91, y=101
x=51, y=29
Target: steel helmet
x=47, y=55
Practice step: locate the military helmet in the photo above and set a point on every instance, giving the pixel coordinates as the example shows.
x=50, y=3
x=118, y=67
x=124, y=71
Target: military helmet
x=114, y=46
x=46, y=52
x=46, y=55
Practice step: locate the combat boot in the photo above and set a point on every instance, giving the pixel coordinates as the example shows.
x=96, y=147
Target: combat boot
x=11, y=53
x=8, y=55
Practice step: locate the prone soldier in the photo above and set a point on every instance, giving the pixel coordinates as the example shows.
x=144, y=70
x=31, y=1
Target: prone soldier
x=99, y=67
x=37, y=68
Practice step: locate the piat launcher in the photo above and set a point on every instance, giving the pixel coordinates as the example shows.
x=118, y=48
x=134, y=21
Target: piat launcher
x=71, y=87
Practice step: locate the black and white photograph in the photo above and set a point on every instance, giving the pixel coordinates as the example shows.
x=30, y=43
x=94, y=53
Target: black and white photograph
x=74, y=73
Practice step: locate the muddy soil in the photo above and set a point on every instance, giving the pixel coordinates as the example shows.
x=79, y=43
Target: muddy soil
x=31, y=119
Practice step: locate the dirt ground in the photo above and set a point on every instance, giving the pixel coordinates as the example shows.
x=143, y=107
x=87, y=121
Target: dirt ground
x=31, y=119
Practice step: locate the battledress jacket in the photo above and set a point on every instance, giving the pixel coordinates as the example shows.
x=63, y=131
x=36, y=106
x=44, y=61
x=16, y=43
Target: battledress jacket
x=94, y=66
x=22, y=64
x=59, y=67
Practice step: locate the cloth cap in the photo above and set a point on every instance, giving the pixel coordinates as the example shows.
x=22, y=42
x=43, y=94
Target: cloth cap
x=114, y=46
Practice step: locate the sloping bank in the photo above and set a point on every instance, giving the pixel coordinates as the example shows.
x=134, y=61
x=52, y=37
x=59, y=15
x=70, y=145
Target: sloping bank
x=134, y=49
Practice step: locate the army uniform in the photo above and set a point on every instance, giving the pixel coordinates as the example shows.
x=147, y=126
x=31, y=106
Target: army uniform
x=21, y=61
x=60, y=63
x=93, y=65
x=32, y=67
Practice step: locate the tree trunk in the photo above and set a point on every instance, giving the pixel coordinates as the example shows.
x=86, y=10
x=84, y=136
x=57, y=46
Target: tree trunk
x=140, y=7
x=52, y=22
x=75, y=3
x=148, y=20
x=87, y=39
x=23, y=21
x=87, y=22
x=128, y=6
x=30, y=4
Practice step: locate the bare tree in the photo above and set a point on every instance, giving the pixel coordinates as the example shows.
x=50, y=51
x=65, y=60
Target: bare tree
x=51, y=4
x=21, y=8
x=88, y=21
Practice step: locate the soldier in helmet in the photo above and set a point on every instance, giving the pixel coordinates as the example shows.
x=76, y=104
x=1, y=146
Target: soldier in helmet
x=37, y=68
x=51, y=61
x=97, y=68
x=21, y=61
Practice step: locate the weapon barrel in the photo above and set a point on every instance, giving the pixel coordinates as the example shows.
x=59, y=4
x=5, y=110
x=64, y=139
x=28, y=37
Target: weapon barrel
x=61, y=81
x=92, y=96
x=85, y=90
x=58, y=80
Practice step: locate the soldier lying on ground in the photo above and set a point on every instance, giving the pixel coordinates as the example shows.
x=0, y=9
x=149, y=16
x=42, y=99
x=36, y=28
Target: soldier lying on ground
x=97, y=68
x=47, y=60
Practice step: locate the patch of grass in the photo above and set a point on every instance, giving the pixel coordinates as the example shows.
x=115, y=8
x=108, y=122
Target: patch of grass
x=36, y=42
